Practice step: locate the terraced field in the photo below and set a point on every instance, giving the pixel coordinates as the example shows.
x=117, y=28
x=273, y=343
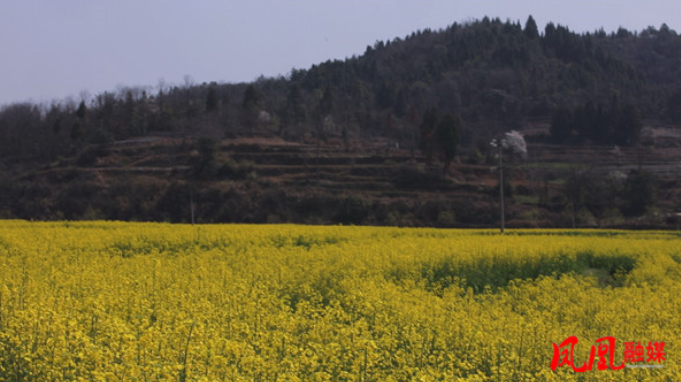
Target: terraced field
x=303, y=182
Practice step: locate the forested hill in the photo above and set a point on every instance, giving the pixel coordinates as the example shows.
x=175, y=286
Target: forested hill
x=358, y=140
x=491, y=73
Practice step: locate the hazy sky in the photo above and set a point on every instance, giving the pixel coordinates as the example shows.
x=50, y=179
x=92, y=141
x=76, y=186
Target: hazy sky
x=51, y=49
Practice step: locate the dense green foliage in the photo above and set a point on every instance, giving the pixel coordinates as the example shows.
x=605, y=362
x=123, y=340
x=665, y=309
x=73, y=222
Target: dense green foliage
x=442, y=93
x=484, y=71
x=614, y=125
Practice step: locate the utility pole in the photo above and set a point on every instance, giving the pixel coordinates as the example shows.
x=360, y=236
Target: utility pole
x=515, y=142
x=498, y=143
x=501, y=188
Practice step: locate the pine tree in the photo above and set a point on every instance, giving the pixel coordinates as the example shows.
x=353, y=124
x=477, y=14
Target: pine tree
x=447, y=134
x=251, y=98
x=561, y=125
x=326, y=103
x=628, y=129
x=427, y=129
x=531, y=30
x=82, y=110
x=211, y=100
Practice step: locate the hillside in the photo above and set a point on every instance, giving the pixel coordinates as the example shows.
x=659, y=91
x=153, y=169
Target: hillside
x=357, y=141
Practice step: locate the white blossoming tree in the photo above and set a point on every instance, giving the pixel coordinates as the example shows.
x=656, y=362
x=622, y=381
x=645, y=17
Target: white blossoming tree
x=513, y=142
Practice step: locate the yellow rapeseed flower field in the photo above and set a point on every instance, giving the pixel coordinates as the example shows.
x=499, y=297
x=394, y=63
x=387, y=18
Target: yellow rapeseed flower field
x=110, y=301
